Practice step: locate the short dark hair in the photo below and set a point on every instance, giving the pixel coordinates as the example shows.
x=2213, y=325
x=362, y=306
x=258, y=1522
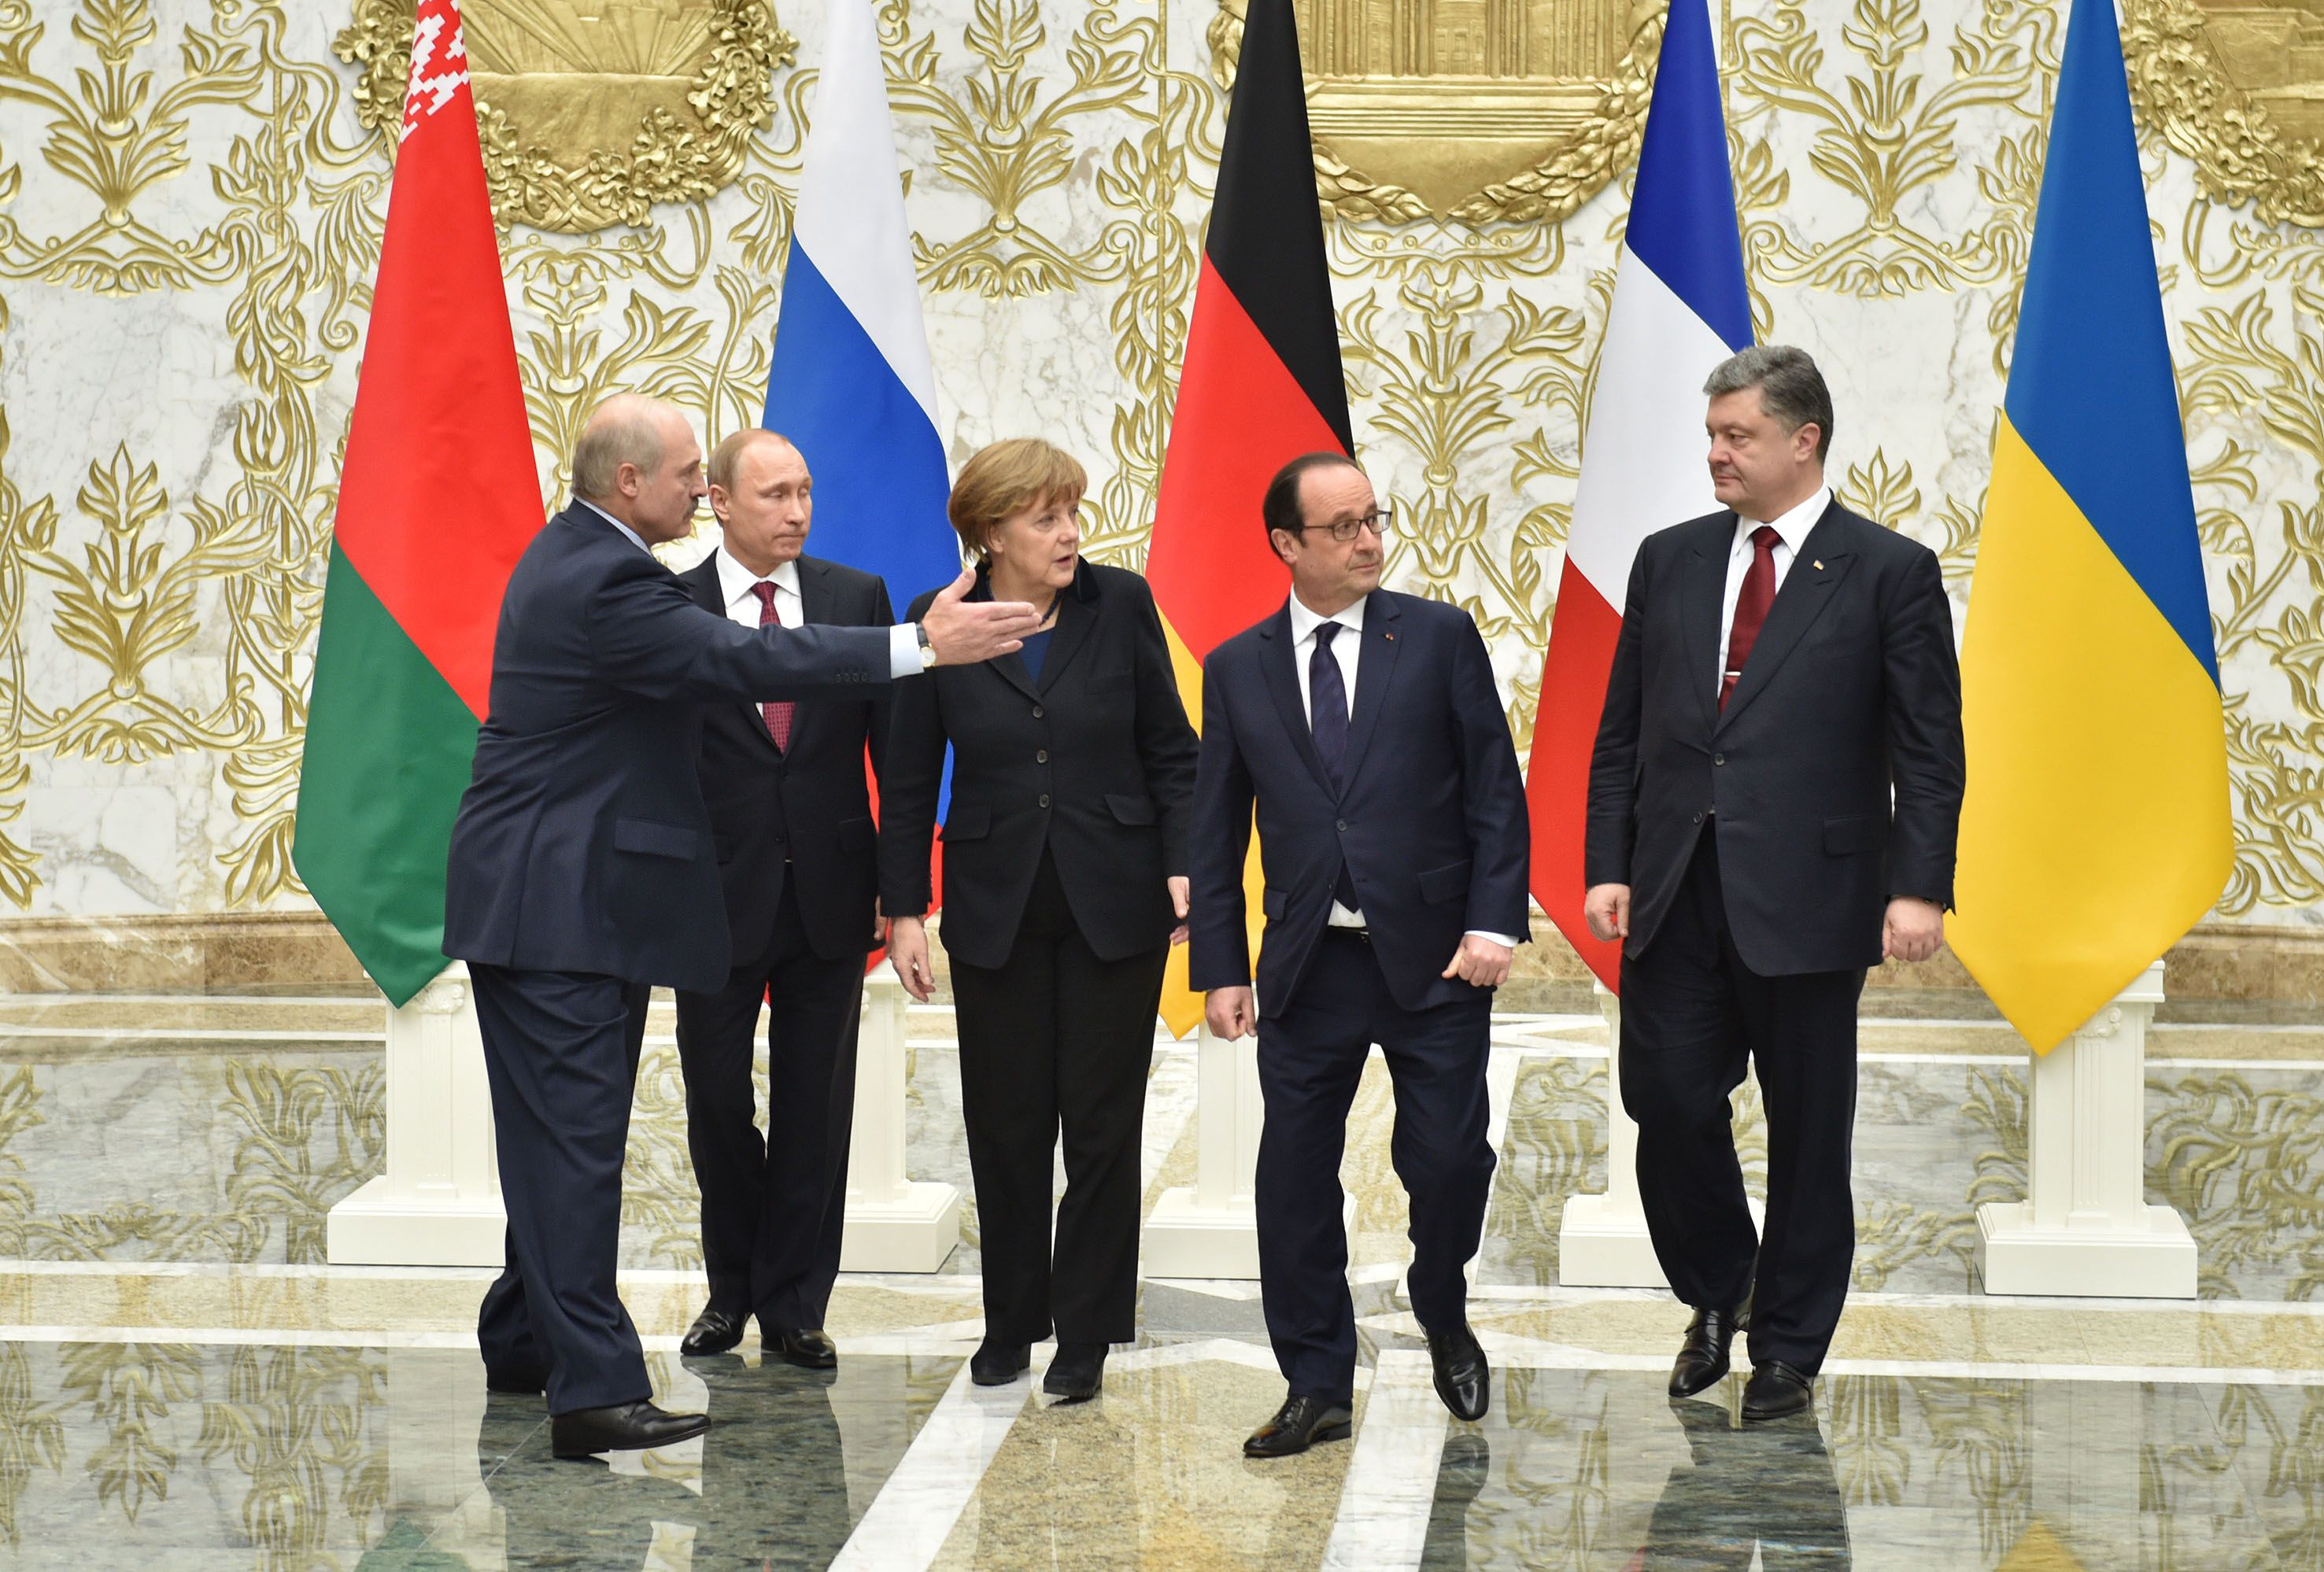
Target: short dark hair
x=1279, y=508
x=1790, y=387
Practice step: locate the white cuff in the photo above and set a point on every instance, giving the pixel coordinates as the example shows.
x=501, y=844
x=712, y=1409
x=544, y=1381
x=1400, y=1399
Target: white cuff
x=904, y=650
x=1503, y=940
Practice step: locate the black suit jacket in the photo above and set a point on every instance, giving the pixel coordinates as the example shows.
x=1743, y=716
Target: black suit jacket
x=1851, y=693
x=800, y=813
x=582, y=844
x=1431, y=819
x=1094, y=759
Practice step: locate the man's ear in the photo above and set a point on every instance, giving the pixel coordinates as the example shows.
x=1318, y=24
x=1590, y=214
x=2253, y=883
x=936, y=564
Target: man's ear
x=1276, y=537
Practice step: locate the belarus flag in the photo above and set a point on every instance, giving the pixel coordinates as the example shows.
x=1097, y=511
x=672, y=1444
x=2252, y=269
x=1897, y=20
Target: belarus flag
x=1679, y=310
x=437, y=498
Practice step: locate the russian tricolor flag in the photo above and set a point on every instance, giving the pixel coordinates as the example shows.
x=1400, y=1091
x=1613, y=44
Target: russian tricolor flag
x=1680, y=307
x=852, y=384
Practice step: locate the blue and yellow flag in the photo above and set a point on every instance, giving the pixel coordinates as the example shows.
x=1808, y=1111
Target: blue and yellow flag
x=2096, y=830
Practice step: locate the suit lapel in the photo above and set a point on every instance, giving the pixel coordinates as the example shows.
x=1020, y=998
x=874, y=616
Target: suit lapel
x=1702, y=593
x=1375, y=665
x=1075, y=618
x=815, y=605
x=1276, y=657
x=1807, y=589
x=1009, y=669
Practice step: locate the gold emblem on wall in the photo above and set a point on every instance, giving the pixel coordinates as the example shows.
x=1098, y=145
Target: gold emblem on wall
x=1477, y=110
x=2238, y=87
x=592, y=111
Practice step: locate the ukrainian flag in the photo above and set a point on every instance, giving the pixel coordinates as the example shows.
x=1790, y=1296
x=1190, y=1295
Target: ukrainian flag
x=2095, y=828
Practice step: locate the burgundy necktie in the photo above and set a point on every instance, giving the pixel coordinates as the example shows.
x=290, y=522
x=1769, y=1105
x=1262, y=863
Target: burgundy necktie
x=779, y=712
x=1750, y=608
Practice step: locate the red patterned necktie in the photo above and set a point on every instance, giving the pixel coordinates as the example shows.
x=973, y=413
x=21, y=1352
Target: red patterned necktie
x=777, y=711
x=1751, y=606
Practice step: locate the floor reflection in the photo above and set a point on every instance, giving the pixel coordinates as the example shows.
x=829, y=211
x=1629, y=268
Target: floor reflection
x=1600, y=1469
x=195, y=1455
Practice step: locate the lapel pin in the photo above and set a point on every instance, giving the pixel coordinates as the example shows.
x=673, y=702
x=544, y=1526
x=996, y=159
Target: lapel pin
x=1819, y=567
x=1389, y=636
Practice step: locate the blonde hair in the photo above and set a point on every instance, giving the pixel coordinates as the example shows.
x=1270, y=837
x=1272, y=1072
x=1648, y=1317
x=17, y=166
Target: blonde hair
x=728, y=456
x=1006, y=478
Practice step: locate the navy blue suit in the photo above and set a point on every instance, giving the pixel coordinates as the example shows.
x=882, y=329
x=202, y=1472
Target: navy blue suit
x=582, y=871
x=1429, y=820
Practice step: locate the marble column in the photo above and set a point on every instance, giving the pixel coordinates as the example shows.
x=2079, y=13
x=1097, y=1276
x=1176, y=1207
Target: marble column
x=894, y=1223
x=438, y=1203
x=1602, y=1240
x=2084, y=1226
x=1212, y=1229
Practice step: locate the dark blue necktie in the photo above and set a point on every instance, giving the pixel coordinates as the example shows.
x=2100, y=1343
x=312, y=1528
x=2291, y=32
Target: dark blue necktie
x=1327, y=718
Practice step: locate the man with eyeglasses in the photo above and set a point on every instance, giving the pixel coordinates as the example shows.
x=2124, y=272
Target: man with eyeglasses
x=1364, y=728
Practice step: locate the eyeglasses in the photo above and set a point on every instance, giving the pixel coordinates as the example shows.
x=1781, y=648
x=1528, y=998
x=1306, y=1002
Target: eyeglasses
x=1344, y=529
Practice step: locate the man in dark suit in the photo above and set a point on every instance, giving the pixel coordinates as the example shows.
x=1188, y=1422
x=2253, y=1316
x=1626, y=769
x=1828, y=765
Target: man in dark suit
x=1773, y=805
x=582, y=871
x=791, y=818
x=1365, y=726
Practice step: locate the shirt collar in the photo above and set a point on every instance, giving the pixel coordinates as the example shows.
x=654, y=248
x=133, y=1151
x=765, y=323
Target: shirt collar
x=635, y=538
x=1303, y=622
x=1793, y=526
x=734, y=580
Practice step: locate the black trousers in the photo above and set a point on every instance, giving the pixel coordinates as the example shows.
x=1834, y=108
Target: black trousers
x=561, y=1054
x=1310, y=1058
x=1057, y=1039
x=773, y=1208
x=1693, y=1015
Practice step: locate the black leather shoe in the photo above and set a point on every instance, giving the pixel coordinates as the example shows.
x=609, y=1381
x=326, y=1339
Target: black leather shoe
x=999, y=1363
x=1078, y=1372
x=808, y=1347
x=1299, y=1424
x=1463, y=1378
x=1702, y=1358
x=626, y=1427
x=713, y=1331
x=517, y=1380
x=1775, y=1390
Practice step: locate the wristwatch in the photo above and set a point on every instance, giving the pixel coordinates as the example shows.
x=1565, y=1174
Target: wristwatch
x=927, y=650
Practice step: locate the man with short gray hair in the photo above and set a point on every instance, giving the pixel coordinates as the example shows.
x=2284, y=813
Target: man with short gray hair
x=1773, y=800
x=583, y=870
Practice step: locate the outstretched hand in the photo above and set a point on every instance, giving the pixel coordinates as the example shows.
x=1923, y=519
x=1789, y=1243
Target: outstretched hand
x=963, y=632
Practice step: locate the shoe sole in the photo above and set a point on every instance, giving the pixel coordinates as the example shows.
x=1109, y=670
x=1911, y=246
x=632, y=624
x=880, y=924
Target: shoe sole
x=804, y=1361
x=1016, y=1375
x=1072, y=1393
x=686, y=1435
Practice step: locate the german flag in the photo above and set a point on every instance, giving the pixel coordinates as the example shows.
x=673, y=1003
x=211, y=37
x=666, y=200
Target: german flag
x=1260, y=385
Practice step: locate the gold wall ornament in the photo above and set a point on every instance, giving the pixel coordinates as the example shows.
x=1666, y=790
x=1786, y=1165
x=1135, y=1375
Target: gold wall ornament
x=1484, y=111
x=592, y=111
x=2238, y=87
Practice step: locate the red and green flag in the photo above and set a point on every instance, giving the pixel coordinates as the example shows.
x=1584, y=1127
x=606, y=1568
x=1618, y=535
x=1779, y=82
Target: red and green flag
x=1260, y=384
x=437, y=498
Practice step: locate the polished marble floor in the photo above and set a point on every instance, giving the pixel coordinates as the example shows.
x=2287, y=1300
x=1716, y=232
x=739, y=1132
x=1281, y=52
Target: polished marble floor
x=183, y=1384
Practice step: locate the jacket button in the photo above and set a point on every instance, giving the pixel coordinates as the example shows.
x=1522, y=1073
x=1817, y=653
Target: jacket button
x=1045, y=799
x=1342, y=825
x=1698, y=818
x=1042, y=756
x=1719, y=758
x=1036, y=711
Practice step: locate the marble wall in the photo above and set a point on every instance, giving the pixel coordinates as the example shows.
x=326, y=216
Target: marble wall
x=191, y=193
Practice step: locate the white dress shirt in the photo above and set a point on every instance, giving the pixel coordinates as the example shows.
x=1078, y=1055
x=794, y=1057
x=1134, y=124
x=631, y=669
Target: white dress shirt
x=1792, y=527
x=636, y=539
x=739, y=588
x=1347, y=648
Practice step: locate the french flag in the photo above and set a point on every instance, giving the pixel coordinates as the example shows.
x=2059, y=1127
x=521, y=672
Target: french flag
x=1679, y=308
x=852, y=384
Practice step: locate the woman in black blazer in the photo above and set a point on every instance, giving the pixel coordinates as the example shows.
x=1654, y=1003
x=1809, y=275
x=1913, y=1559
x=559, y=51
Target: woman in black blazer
x=1064, y=889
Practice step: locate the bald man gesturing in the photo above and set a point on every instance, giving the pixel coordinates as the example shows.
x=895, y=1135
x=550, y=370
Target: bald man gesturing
x=583, y=871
